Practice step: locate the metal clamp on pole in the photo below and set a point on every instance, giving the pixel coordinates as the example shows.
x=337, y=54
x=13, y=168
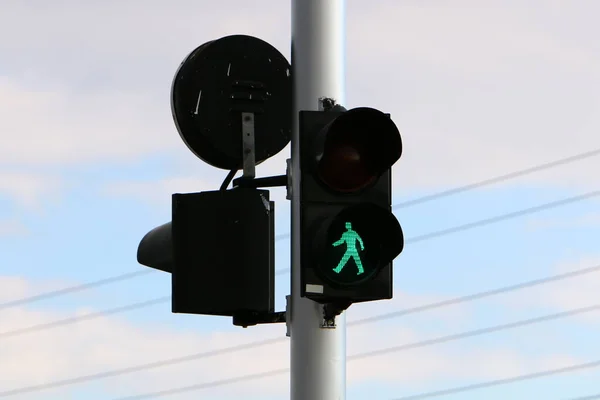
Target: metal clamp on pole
x=332, y=310
x=248, y=146
x=248, y=178
x=246, y=319
x=329, y=104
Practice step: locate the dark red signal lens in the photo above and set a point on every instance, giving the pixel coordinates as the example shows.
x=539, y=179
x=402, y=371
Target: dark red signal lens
x=358, y=147
x=346, y=166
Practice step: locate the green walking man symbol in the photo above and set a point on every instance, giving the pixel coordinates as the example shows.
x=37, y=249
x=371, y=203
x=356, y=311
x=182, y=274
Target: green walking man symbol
x=350, y=237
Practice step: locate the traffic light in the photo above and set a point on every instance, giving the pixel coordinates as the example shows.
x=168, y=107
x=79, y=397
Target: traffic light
x=223, y=252
x=349, y=235
x=231, y=101
x=219, y=249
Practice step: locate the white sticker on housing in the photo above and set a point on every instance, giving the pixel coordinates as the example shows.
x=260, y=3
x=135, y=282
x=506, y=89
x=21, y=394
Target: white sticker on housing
x=314, y=289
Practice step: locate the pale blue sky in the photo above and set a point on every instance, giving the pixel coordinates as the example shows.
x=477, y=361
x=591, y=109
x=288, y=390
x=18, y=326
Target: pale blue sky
x=89, y=157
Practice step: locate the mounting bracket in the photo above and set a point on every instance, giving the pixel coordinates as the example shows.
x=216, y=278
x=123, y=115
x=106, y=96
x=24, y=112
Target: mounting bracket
x=332, y=310
x=251, y=318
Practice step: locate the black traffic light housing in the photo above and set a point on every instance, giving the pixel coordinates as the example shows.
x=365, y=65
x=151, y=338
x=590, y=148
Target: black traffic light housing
x=219, y=249
x=156, y=248
x=349, y=235
x=223, y=250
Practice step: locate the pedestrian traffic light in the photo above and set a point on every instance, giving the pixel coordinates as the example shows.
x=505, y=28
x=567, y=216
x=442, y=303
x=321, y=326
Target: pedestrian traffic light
x=349, y=235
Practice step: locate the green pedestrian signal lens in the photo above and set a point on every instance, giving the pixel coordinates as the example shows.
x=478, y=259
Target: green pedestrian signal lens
x=352, y=254
x=352, y=247
x=350, y=237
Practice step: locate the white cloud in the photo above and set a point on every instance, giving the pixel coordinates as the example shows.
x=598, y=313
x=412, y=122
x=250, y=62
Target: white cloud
x=160, y=191
x=14, y=287
x=159, y=30
x=55, y=126
x=467, y=36
x=564, y=295
x=12, y=227
x=28, y=188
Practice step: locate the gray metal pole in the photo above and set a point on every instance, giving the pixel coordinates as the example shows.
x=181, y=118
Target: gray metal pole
x=318, y=355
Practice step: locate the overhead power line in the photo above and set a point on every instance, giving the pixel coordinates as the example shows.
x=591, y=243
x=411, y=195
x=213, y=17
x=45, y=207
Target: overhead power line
x=486, y=182
x=165, y=299
x=387, y=350
x=507, y=216
x=137, y=368
x=479, y=295
x=589, y=397
x=393, y=314
x=478, y=332
x=427, y=395
x=72, y=320
x=419, y=200
x=497, y=218
x=72, y=289
x=206, y=385
x=498, y=179
x=505, y=381
x=501, y=217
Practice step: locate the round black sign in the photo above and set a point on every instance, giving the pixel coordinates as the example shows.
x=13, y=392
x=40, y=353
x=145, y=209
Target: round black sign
x=219, y=81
